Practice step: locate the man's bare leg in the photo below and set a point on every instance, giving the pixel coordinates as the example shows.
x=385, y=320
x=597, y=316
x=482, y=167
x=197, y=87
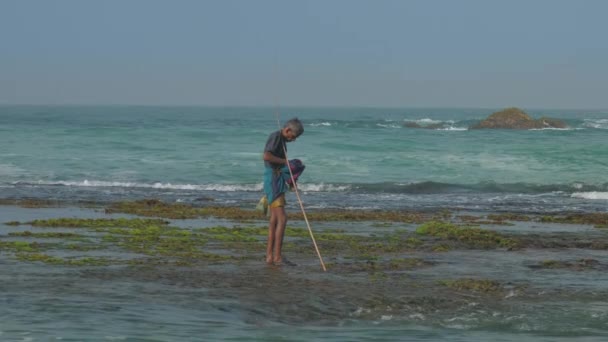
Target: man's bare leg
x=272, y=227
x=281, y=222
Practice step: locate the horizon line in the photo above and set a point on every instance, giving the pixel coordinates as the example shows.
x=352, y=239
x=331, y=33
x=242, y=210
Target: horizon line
x=288, y=106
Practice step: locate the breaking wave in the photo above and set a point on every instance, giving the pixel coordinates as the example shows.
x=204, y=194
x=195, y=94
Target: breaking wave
x=578, y=190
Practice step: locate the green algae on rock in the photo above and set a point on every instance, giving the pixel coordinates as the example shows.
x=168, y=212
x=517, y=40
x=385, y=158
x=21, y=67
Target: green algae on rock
x=49, y=235
x=150, y=237
x=20, y=246
x=157, y=208
x=94, y=223
x=470, y=237
x=578, y=265
x=476, y=285
x=509, y=217
x=600, y=220
x=158, y=243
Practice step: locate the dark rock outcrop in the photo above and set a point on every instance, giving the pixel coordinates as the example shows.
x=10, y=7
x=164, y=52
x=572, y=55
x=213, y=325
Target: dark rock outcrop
x=515, y=118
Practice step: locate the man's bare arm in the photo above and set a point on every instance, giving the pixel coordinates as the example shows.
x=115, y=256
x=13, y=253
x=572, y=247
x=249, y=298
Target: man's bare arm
x=269, y=157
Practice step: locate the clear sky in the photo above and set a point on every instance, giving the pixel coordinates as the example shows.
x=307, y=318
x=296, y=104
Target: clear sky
x=385, y=53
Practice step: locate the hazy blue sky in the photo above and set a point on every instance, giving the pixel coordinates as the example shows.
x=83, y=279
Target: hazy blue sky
x=466, y=53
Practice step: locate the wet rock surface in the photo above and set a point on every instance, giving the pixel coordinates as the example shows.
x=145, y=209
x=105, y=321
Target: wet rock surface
x=443, y=269
x=515, y=118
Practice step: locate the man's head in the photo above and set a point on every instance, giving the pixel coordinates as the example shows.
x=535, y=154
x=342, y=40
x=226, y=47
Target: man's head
x=293, y=129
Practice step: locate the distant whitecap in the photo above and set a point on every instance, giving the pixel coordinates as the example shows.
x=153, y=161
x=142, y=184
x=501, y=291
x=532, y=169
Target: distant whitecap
x=593, y=195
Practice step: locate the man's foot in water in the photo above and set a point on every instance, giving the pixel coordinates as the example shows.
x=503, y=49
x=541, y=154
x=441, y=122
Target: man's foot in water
x=284, y=262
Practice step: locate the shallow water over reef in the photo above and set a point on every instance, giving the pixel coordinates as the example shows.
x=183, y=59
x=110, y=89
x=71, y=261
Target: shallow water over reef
x=552, y=288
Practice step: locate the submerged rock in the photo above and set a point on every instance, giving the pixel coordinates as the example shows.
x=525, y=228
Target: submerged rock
x=413, y=124
x=515, y=118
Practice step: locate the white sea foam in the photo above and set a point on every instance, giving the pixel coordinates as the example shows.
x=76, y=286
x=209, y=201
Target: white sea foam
x=594, y=195
x=451, y=128
x=321, y=187
x=320, y=124
x=596, y=123
x=159, y=185
x=388, y=125
x=359, y=311
x=578, y=185
x=418, y=316
x=427, y=121
x=552, y=129
x=448, y=124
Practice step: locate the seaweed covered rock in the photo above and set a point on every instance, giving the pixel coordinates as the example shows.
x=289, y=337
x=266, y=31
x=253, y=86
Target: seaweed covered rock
x=515, y=118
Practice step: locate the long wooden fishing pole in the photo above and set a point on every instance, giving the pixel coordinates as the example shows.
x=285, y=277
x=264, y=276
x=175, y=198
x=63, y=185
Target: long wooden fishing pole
x=295, y=187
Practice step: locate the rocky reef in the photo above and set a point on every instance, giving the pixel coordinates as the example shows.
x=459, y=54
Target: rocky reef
x=413, y=124
x=515, y=118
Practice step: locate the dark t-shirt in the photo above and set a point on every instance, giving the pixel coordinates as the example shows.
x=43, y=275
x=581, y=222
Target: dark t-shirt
x=274, y=145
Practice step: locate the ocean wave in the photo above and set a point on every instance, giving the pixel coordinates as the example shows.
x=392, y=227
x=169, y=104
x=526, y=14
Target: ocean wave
x=327, y=124
x=552, y=129
x=439, y=125
x=593, y=195
x=322, y=187
x=577, y=189
x=388, y=125
x=482, y=187
x=156, y=185
x=452, y=128
x=308, y=187
x=447, y=125
x=429, y=121
x=596, y=123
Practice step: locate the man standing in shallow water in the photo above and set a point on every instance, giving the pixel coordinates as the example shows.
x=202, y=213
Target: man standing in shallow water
x=274, y=186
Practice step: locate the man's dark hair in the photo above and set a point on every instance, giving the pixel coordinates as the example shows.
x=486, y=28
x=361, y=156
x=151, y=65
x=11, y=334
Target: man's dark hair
x=295, y=125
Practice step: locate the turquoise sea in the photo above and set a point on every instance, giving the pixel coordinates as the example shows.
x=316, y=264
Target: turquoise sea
x=355, y=157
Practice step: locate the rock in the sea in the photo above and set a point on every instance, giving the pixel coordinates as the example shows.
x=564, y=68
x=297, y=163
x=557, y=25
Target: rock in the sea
x=413, y=124
x=515, y=118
